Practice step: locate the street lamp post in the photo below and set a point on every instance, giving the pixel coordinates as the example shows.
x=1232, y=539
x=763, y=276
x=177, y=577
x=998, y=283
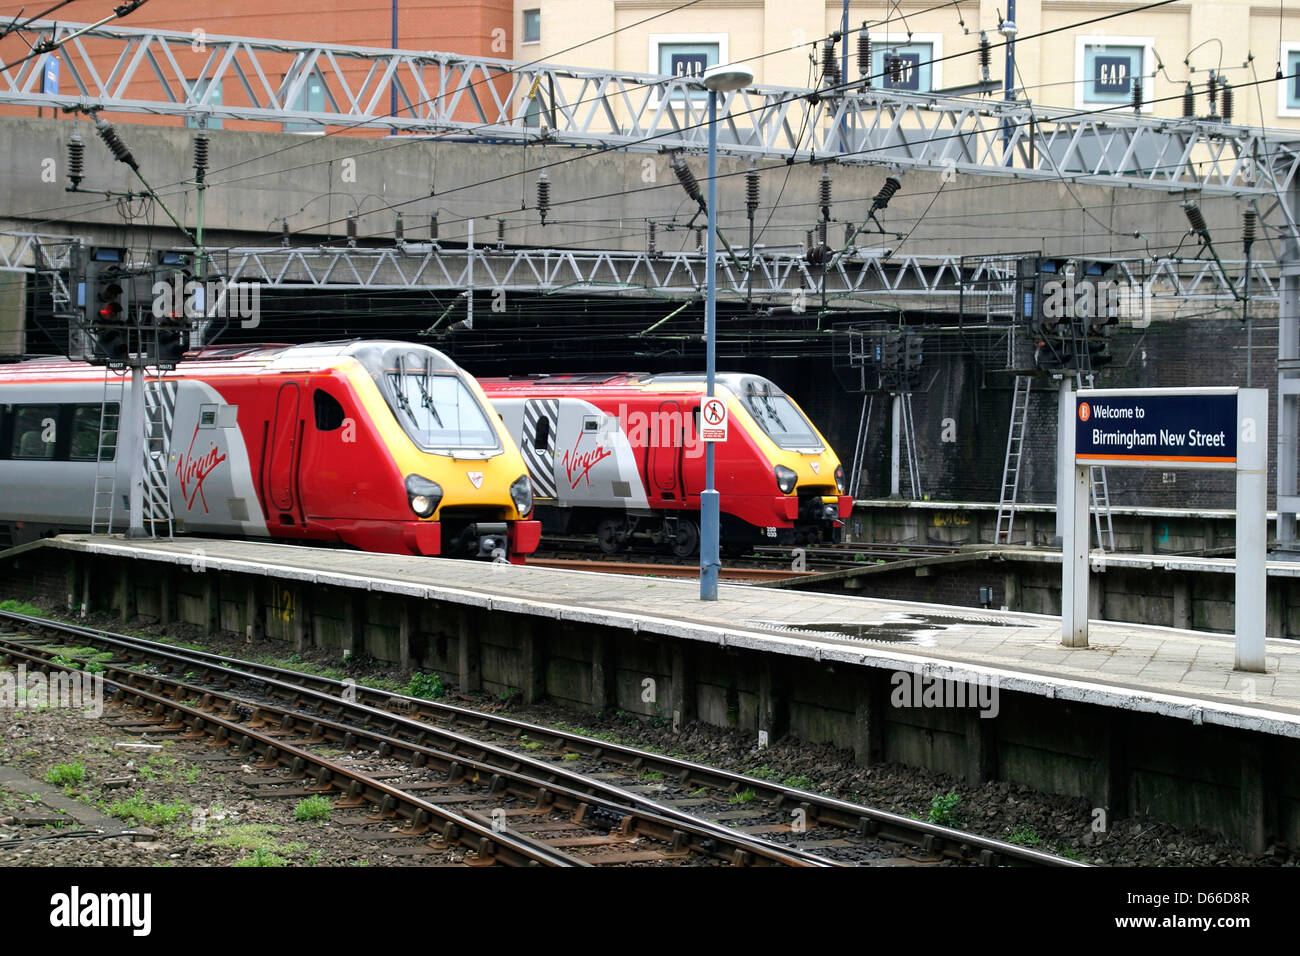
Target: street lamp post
x=719, y=79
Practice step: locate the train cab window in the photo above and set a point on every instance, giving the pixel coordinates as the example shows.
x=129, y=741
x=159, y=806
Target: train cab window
x=35, y=431
x=542, y=436
x=590, y=423
x=329, y=411
x=84, y=440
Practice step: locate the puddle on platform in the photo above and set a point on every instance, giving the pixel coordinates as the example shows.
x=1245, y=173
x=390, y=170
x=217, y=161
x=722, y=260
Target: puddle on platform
x=916, y=629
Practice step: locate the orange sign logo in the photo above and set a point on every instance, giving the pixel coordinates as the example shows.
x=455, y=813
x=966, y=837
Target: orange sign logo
x=1084, y=412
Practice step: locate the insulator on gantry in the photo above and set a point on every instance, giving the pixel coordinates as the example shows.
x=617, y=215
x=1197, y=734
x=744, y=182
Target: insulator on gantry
x=830, y=64
x=687, y=179
x=864, y=54
x=824, y=193
x=892, y=185
x=1212, y=88
x=121, y=152
x=1189, y=102
x=398, y=233
x=200, y=155
x=1226, y=100
x=76, y=159
x=895, y=68
x=1137, y=94
x=751, y=191
x=352, y=229
x=1249, y=221
x=543, y=196
x=433, y=227
x=986, y=56
x=651, y=251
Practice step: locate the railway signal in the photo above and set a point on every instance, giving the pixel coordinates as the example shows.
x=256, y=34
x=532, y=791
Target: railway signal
x=105, y=306
x=912, y=357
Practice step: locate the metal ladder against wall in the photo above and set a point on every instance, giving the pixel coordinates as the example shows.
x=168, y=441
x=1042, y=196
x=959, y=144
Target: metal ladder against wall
x=909, y=447
x=159, y=407
x=1100, y=491
x=104, y=498
x=860, y=447
x=1011, y=465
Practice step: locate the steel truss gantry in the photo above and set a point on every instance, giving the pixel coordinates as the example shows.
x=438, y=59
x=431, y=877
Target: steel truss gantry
x=169, y=73
x=864, y=277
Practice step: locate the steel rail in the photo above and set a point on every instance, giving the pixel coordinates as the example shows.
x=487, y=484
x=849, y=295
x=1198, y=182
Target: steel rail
x=866, y=821
x=514, y=849
x=670, y=825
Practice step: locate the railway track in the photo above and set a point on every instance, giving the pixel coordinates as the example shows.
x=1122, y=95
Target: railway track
x=760, y=564
x=516, y=812
x=765, y=817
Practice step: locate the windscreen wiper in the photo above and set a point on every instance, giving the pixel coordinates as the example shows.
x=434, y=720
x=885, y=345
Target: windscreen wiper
x=401, y=397
x=425, y=398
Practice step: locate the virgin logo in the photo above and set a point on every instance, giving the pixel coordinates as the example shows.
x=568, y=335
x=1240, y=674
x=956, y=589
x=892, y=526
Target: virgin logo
x=578, y=465
x=192, y=472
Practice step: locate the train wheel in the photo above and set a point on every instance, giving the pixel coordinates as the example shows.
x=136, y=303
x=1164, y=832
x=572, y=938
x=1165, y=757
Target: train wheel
x=687, y=540
x=610, y=537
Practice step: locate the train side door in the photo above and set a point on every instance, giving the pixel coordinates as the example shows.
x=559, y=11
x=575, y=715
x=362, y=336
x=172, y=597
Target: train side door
x=665, y=441
x=281, y=451
x=537, y=442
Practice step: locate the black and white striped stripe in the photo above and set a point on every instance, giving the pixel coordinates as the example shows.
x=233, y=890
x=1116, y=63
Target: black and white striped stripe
x=160, y=413
x=540, y=462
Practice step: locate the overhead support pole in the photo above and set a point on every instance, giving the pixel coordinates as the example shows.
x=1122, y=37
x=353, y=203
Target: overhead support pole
x=1288, y=378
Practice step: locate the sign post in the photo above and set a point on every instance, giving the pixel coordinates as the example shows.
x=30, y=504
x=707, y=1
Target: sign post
x=1198, y=428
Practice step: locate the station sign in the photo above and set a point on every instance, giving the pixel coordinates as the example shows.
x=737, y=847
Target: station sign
x=713, y=420
x=1215, y=428
x=1192, y=428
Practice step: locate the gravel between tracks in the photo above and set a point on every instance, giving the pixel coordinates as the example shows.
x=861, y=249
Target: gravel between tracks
x=1002, y=810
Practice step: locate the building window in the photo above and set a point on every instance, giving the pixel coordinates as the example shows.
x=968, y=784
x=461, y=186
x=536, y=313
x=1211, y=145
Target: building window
x=918, y=72
x=1105, y=68
x=532, y=26
x=310, y=99
x=209, y=94
x=1288, y=94
x=678, y=54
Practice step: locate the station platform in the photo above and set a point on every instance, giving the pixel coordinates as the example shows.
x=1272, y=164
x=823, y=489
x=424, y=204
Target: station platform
x=1134, y=667
x=1148, y=720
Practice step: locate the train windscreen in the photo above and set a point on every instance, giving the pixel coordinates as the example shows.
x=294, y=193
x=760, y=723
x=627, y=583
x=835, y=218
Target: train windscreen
x=778, y=416
x=436, y=407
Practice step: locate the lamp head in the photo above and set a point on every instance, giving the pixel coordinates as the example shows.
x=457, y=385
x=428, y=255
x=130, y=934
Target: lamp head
x=725, y=78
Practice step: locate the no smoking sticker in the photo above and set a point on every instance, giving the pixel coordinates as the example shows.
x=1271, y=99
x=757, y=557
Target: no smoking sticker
x=713, y=420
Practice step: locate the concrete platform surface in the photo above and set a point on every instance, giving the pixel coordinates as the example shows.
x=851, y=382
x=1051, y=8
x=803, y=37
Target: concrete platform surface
x=1177, y=673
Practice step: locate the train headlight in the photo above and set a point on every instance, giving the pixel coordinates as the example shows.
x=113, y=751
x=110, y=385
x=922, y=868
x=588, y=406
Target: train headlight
x=839, y=479
x=424, y=495
x=521, y=493
x=785, y=479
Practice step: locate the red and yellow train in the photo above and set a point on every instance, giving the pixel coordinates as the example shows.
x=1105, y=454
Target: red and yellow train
x=621, y=456
x=384, y=446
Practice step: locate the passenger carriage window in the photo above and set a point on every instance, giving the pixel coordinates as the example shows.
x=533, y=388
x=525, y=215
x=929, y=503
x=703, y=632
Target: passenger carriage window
x=329, y=412
x=542, y=437
x=85, y=432
x=35, y=431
